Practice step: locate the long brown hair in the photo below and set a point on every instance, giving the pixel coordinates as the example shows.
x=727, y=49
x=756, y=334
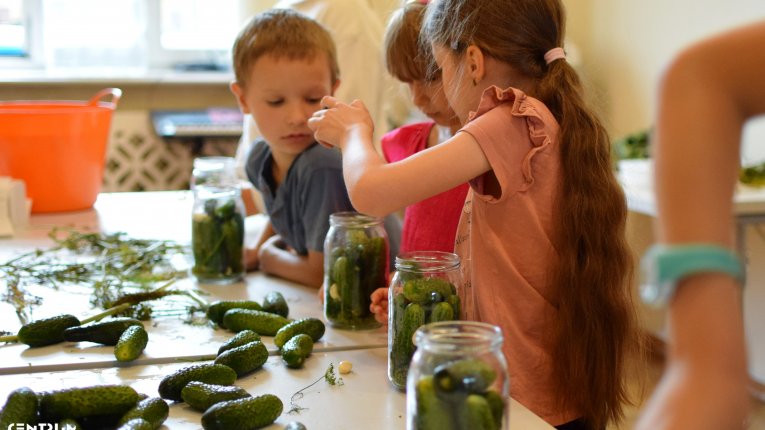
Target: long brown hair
x=595, y=329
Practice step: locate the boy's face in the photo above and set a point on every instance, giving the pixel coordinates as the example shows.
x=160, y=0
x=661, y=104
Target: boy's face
x=281, y=94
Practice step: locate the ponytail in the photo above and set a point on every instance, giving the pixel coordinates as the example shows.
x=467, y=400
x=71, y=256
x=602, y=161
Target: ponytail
x=596, y=316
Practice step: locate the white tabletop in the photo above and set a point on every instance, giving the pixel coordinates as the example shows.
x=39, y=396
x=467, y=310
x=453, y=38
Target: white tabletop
x=636, y=177
x=366, y=400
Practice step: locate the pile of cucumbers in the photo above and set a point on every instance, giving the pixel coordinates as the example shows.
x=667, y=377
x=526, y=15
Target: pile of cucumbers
x=459, y=396
x=127, y=335
x=100, y=406
x=421, y=300
x=352, y=273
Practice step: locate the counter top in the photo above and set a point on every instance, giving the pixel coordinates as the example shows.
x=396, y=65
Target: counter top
x=366, y=400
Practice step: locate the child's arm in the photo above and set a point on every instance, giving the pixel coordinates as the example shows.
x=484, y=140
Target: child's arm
x=276, y=259
x=377, y=188
x=253, y=246
x=706, y=96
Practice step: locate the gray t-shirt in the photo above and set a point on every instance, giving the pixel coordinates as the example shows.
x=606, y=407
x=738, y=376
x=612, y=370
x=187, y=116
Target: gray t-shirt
x=300, y=207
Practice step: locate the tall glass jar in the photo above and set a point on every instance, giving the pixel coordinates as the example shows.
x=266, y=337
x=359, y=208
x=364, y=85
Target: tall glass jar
x=213, y=171
x=423, y=290
x=217, y=234
x=458, y=378
x=355, y=264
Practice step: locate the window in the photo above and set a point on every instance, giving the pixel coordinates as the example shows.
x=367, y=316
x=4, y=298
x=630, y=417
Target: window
x=13, y=34
x=126, y=35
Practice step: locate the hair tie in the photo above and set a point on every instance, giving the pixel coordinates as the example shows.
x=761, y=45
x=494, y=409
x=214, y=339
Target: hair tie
x=555, y=54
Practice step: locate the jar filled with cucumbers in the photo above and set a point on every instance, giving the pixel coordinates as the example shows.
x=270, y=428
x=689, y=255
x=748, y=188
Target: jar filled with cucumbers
x=355, y=264
x=423, y=290
x=458, y=378
x=217, y=234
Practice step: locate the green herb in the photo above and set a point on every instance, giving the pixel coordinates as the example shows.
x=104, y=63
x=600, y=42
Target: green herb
x=115, y=266
x=329, y=376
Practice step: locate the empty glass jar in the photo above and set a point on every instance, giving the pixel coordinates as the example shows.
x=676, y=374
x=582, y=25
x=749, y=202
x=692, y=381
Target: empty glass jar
x=423, y=290
x=355, y=264
x=458, y=378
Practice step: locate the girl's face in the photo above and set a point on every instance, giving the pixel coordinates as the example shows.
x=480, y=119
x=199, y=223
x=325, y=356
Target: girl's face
x=429, y=97
x=461, y=94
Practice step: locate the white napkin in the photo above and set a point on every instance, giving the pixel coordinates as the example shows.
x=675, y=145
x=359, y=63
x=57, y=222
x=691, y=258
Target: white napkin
x=15, y=207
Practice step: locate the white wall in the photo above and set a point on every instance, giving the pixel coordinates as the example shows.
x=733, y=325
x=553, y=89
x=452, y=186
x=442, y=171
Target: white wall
x=624, y=45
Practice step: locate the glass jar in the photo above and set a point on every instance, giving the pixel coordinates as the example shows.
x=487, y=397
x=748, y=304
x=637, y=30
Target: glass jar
x=355, y=265
x=217, y=234
x=458, y=378
x=423, y=290
x=213, y=171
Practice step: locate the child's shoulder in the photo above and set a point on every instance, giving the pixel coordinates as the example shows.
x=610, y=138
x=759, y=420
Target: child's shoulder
x=317, y=157
x=406, y=140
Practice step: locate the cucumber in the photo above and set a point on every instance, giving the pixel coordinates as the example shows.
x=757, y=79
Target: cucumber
x=131, y=343
x=201, y=396
x=243, y=414
x=171, y=385
x=136, y=424
x=216, y=310
x=402, y=331
x=99, y=400
x=296, y=350
x=275, y=303
x=454, y=300
x=46, y=331
x=244, y=359
x=69, y=424
x=432, y=413
x=313, y=327
x=104, y=332
x=442, y=311
x=21, y=408
x=242, y=338
x=420, y=290
x=497, y=406
x=466, y=376
x=233, y=233
x=260, y=322
x=153, y=410
x=475, y=414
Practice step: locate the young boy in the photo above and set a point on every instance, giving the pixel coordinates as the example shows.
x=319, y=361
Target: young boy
x=284, y=63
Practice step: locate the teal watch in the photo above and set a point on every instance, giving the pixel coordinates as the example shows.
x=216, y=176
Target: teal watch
x=664, y=265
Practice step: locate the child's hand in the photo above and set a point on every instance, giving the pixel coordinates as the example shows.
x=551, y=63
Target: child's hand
x=251, y=260
x=379, y=305
x=334, y=125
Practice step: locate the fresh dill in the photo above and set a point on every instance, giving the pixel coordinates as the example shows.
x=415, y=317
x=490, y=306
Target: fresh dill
x=329, y=376
x=113, y=265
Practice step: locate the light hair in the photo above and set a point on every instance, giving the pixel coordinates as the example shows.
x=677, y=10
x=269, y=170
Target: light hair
x=596, y=325
x=406, y=58
x=282, y=33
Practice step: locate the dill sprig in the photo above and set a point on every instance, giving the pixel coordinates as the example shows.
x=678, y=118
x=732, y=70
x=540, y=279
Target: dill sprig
x=329, y=376
x=114, y=265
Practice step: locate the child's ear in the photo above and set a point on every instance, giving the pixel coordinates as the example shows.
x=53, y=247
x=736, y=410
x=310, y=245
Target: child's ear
x=475, y=63
x=238, y=91
x=332, y=93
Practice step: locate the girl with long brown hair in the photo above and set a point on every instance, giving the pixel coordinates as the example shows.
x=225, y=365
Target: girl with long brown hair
x=542, y=235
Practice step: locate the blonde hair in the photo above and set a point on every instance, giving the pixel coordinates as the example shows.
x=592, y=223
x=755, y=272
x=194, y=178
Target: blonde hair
x=282, y=33
x=406, y=58
x=595, y=328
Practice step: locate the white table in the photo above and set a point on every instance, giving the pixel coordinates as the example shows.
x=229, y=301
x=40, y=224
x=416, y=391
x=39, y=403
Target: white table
x=366, y=400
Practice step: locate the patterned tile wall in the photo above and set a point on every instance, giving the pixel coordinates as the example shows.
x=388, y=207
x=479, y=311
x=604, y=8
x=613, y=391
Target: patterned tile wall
x=139, y=160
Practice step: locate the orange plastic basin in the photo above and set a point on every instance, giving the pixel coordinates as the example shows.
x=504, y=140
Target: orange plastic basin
x=57, y=148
